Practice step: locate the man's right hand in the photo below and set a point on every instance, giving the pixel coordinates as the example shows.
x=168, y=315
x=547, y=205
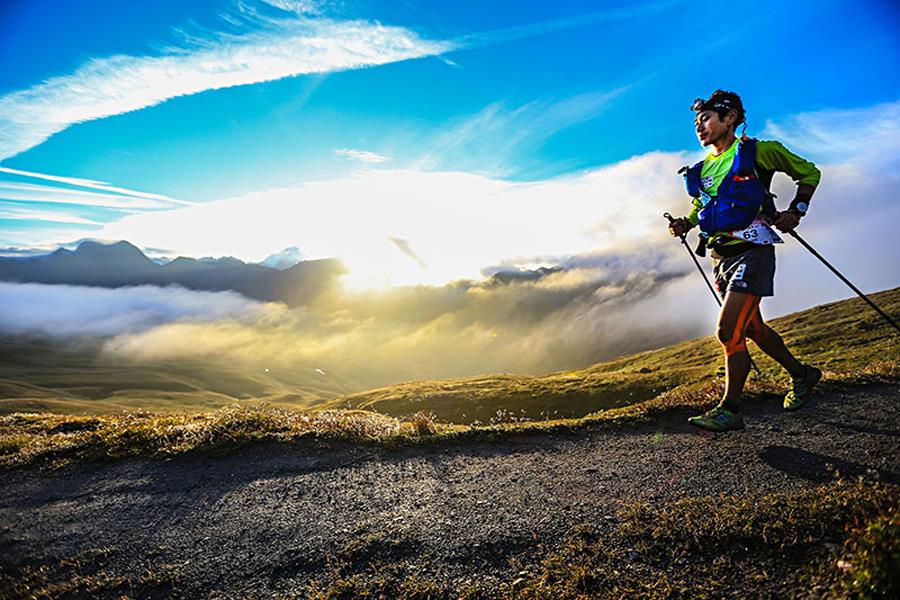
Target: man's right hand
x=679, y=227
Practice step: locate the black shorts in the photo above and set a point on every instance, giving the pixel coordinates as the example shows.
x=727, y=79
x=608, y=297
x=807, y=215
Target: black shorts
x=751, y=272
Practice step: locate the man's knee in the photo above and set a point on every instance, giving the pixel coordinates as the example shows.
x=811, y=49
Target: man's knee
x=724, y=332
x=737, y=313
x=732, y=337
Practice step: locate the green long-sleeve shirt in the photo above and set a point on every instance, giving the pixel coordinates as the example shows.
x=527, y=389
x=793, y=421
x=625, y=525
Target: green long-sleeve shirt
x=771, y=156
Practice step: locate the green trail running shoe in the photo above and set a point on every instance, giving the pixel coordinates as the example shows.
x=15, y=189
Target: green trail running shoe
x=718, y=419
x=801, y=388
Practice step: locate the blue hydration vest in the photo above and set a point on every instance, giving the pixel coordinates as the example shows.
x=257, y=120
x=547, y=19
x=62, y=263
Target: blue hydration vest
x=739, y=197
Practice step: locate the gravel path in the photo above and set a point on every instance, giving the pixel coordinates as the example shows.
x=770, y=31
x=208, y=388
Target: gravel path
x=263, y=519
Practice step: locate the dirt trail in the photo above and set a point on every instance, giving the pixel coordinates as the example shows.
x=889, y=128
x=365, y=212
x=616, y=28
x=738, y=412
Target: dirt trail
x=263, y=519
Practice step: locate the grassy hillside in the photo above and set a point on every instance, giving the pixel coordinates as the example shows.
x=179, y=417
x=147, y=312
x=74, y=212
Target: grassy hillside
x=45, y=376
x=842, y=338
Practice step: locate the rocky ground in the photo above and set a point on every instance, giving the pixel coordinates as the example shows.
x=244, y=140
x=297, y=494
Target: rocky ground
x=266, y=519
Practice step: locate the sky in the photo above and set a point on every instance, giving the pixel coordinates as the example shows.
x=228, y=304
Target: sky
x=425, y=142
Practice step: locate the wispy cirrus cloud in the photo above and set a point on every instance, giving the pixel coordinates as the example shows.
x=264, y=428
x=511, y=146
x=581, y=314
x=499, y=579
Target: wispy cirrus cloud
x=552, y=25
x=37, y=192
x=868, y=135
x=494, y=140
x=42, y=189
x=24, y=214
x=302, y=7
x=90, y=184
x=361, y=155
x=71, y=203
x=273, y=49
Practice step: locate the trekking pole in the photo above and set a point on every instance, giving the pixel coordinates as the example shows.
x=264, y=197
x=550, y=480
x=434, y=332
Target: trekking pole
x=696, y=262
x=845, y=280
x=706, y=279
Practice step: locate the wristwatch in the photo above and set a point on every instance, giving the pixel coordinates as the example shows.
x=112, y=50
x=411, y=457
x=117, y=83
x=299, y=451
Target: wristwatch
x=799, y=208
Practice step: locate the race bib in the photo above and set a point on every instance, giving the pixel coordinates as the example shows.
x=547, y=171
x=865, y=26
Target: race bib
x=759, y=232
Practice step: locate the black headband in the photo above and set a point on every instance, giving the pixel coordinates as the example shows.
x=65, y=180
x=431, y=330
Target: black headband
x=718, y=105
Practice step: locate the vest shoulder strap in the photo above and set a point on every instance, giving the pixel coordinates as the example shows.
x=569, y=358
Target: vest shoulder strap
x=692, y=179
x=745, y=161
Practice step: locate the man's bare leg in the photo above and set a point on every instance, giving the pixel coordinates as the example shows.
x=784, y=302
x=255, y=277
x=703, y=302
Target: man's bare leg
x=738, y=309
x=771, y=343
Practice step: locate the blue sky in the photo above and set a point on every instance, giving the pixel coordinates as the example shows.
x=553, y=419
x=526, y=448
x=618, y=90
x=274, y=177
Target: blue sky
x=195, y=102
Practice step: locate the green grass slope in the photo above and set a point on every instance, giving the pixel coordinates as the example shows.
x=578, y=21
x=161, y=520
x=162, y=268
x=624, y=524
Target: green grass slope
x=45, y=376
x=843, y=338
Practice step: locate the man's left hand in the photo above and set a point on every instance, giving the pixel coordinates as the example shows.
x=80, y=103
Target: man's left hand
x=786, y=221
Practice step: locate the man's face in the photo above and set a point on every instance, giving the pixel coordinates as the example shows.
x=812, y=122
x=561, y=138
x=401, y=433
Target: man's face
x=710, y=128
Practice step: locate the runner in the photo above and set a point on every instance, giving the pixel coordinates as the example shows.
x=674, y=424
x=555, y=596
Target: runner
x=735, y=212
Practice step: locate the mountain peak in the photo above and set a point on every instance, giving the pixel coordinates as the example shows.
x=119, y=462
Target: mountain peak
x=121, y=247
x=285, y=259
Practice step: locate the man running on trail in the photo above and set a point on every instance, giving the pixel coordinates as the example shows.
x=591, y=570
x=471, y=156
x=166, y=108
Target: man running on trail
x=735, y=212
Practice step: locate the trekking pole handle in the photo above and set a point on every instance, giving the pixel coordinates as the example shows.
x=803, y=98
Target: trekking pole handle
x=681, y=235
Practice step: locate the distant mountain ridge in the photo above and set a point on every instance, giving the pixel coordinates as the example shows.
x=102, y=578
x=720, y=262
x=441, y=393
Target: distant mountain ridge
x=122, y=264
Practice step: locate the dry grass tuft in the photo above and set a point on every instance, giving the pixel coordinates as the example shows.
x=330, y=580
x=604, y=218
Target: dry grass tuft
x=86, y=576
x=712, y=525
x=379, y=580
x=871, y=558
x=422, y=423
x=33, y=438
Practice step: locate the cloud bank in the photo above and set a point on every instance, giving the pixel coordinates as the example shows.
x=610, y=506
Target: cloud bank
x=275, y=49
x=431, y=332
x=76, y=311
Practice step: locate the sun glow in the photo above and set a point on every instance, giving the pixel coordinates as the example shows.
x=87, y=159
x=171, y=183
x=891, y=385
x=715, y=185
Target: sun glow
x=405, y=227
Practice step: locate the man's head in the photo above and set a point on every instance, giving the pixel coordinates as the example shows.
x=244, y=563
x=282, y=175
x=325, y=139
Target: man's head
x=717, y=117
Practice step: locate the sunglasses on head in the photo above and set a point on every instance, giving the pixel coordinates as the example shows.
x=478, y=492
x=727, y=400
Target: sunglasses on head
x=700, y=105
